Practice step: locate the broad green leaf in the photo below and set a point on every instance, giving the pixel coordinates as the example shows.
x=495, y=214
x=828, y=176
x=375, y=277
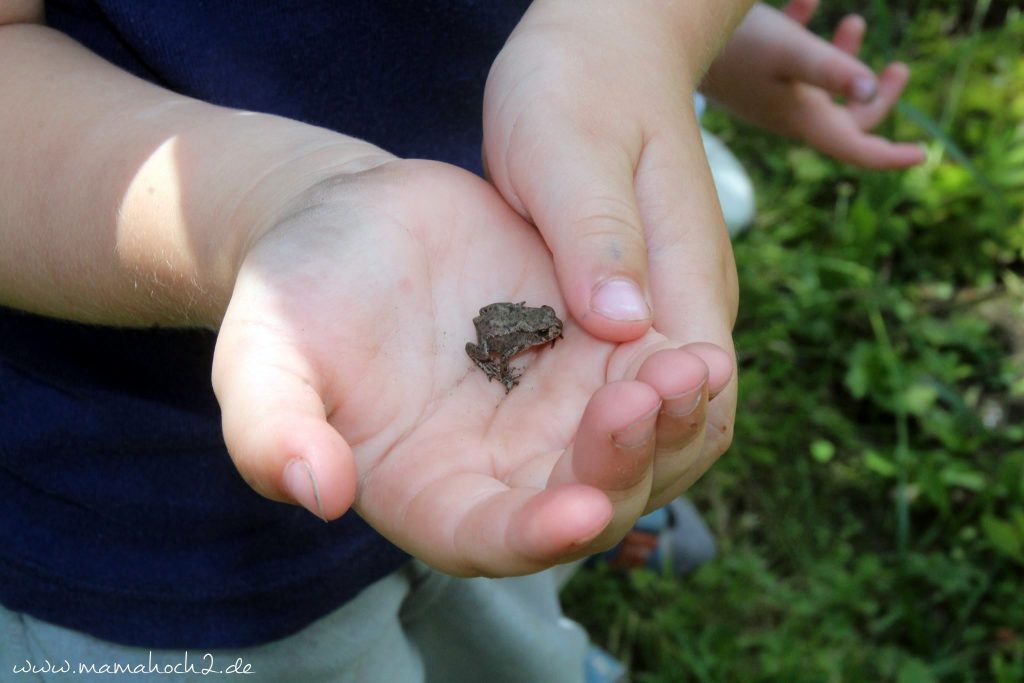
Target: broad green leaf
x=878, y=464
x=823, y=450
x=1003, y=536
x=915, y=671
x=918, y=398
x=972, y=481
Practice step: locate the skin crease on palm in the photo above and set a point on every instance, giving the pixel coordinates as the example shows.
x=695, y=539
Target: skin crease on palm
x=456, y=472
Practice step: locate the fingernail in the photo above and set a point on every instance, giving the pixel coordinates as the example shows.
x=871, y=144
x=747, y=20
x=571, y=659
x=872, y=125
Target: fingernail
x=865, y=88
x=620, y=299
x=301, y=485
x=685, y=403
x=587, y=538
x=638, y=433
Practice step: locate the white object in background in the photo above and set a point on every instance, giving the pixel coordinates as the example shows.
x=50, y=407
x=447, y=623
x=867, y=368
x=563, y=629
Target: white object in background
x=735, y=190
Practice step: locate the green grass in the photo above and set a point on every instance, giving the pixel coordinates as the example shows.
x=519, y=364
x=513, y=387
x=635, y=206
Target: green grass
x=871, y=510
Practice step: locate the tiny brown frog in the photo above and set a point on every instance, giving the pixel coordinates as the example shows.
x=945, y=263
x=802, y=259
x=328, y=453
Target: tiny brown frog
x=504, y=330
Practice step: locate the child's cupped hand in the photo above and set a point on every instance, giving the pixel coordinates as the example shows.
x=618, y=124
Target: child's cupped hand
x=343, y=379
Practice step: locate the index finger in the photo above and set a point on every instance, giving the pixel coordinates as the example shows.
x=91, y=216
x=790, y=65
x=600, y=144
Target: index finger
x=692, y=270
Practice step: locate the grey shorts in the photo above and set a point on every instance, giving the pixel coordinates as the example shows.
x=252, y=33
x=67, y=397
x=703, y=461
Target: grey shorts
x=411, y=626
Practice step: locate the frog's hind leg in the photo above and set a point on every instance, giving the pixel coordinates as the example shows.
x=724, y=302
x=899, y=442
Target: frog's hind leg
x=509, y=375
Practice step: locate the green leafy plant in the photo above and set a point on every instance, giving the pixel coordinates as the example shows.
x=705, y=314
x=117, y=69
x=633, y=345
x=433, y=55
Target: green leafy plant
x=870, y=513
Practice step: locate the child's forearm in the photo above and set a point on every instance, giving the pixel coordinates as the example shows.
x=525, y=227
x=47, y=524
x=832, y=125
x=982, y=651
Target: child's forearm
x=698, y=28
x=124, y=203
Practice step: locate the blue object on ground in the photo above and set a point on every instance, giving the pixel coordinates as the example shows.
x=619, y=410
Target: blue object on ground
x=674, y=538
x=601, y=667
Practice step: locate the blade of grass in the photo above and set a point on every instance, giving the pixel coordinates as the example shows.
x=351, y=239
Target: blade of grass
x=956, y=86
x=881, y=29
x=895, y=370
x=933, y=129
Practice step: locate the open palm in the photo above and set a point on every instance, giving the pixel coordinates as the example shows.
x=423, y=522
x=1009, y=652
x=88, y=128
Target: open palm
x=343, y=379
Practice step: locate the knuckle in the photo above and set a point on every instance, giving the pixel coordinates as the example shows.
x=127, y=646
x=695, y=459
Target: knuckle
x=602, y=218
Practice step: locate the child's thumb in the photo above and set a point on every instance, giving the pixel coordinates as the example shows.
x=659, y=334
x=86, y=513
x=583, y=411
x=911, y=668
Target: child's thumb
x=277, y=433
x=579, y=191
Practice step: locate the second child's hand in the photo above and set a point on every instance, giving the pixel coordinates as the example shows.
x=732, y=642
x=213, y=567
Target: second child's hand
x=590, y=133
x=780, y=76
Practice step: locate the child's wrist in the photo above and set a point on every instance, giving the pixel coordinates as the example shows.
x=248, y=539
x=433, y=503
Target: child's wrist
x=696, y=30
x=264, y=170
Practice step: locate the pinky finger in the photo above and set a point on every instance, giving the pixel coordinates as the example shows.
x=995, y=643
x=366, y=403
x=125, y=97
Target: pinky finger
x=870, y=151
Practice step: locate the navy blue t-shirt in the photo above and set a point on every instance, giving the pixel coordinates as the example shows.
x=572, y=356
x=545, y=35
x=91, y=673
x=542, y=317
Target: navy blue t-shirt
x=121, y=514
